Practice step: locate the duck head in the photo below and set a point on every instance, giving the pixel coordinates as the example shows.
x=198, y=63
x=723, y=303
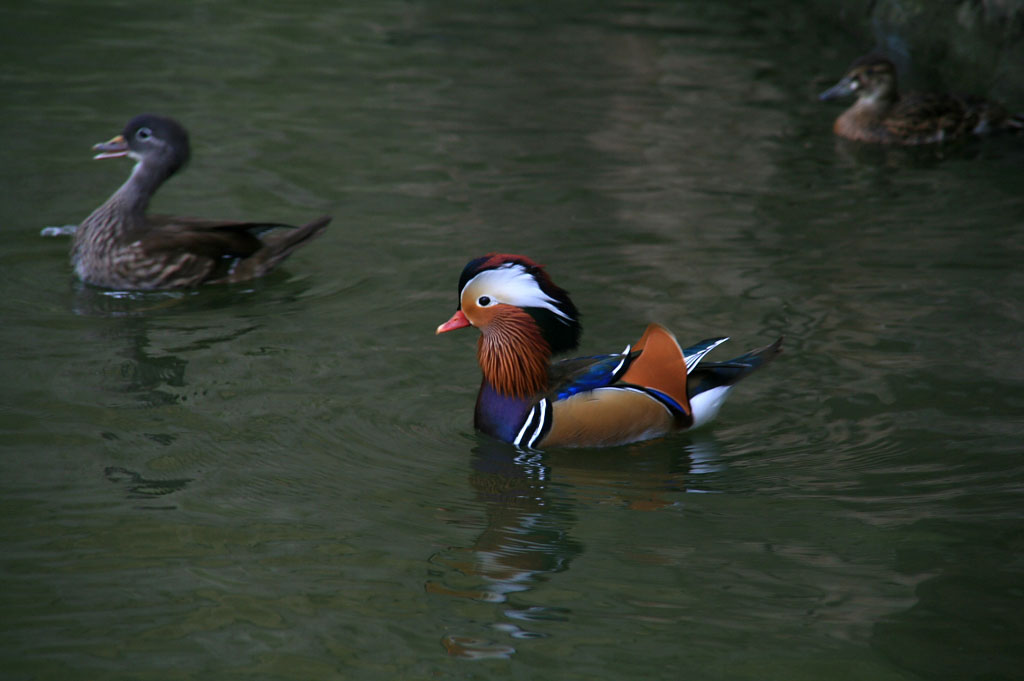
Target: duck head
x=523, y=318
x=152, y=141
x=870, y=78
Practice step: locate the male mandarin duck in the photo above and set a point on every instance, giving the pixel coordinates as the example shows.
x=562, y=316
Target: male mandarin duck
x=120, y=246
x=649, y=390
x=882, y=115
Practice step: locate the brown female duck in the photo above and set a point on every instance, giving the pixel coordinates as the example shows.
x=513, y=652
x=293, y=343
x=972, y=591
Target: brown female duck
x=883, y=115
x=120, y=246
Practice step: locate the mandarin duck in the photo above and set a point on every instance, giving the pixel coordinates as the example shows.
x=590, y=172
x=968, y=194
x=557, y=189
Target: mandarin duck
x=120, y=246
x=648, y=390
x=882, y=115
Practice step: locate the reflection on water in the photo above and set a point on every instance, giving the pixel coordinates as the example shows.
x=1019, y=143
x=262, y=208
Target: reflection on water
x=530, y=502
x=153, y=373
x=327, y=511
x=138, y=487
x=526, y=537
x=920, y=157
x=146, y=375
x=976, y=583
x=88, y=300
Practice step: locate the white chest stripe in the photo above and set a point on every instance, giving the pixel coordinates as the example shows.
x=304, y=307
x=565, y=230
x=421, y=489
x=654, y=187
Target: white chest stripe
x=526, y=424
x=540, y=422
x=540, y=410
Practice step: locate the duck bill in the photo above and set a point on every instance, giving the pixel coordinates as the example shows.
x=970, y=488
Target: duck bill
x=843, y=88
x=457, y=321
x=115, y=147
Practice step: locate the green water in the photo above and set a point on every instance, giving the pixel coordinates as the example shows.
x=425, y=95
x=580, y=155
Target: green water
x=281, y=481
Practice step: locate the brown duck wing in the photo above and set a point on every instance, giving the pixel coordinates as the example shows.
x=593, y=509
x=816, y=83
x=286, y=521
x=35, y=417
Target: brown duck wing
x=214, y=251
x=924, y=118
x=208, y=238
x=206, y=224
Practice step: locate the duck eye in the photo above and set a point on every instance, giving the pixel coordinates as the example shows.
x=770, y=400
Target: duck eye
x=143, y=134
x=483, y=301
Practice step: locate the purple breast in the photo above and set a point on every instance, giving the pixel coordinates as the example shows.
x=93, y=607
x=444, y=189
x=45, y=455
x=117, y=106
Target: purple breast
x=500, y=416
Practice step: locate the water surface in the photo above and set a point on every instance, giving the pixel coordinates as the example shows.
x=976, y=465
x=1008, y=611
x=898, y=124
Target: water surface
x=281, y=480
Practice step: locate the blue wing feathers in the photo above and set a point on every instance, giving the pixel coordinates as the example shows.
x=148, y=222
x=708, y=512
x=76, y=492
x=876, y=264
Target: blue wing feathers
x=601, y=372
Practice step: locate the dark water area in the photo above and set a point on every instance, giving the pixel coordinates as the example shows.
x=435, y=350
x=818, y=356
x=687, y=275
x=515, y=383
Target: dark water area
x=281, y=481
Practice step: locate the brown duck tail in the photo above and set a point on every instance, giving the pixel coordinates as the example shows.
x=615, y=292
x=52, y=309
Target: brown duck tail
x=993, y=117
x=277, y=246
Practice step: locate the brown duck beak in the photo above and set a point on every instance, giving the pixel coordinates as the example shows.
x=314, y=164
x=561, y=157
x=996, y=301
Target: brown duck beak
x=115, y=147
x=847, y=86
x=457, y=321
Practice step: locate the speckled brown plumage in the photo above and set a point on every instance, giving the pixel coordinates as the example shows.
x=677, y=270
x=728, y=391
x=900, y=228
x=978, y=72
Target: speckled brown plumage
x=120, y=246
x=882, y=115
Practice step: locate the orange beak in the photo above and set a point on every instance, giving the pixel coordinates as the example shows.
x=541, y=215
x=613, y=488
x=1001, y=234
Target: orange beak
x=457, y=321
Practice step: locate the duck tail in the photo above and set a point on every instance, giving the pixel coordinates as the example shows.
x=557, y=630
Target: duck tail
x=718, y=374
x=710, y=383
x=277, y=246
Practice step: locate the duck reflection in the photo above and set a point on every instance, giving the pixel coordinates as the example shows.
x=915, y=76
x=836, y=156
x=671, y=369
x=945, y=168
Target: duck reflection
x=146, y=374
x=89, y=301
x=147, y=337
x=856, y=154
x=526, y=535
x=139, y=488
x=531, y=501
x=152, y=374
